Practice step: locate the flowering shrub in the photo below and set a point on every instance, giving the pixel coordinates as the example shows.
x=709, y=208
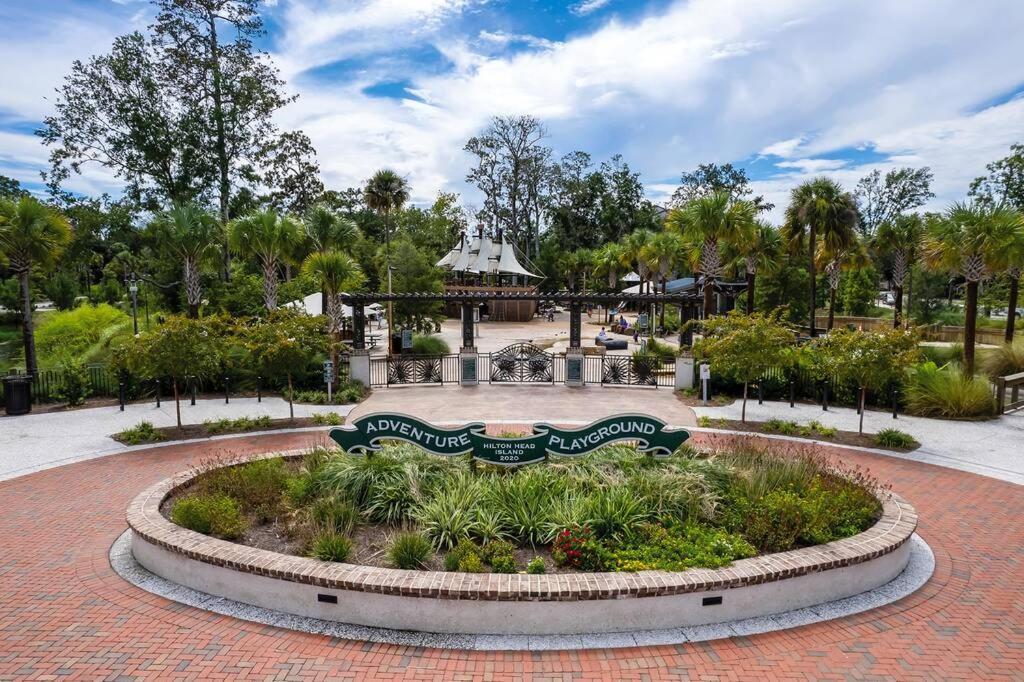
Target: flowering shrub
x=577, y=548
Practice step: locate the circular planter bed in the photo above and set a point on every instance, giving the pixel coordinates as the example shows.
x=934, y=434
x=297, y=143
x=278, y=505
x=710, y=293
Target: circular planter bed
x=563, y=603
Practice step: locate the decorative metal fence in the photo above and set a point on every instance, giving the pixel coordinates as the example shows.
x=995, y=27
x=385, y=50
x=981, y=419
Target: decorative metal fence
x=101, y=380
x=398, y=370
x=521, y=363
x=627, y=370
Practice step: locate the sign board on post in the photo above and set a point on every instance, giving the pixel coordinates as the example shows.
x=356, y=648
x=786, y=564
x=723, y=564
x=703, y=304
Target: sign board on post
x=574, y=369
x=366, y=434
x=705, y=379
x=469, y=369
x=329, y=377
x=406, y=339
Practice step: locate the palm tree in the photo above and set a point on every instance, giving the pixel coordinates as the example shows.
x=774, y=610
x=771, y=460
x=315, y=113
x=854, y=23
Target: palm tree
x=901, y=238
x=326, y=230
x=758, y=249
x=32, y=235
x=662, y=253
x=818, y=208
x=385, y=193
x=268, y=237
x=189, y=233
x=633, y=247
x=707, y=224
x=336, y=273
x=836, y=257
x=971, y=240
x=1014, y=266
x=608, y=262
x=575, y=264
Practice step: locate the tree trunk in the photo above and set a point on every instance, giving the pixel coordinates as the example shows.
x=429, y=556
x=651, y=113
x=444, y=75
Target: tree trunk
x=750, y=292
x=897, y=314
x=220, y=146
x=831, y=307
x=291, y=397
x=863, y=399
x=664, y=289
x=28, y=334
x=177, y=403
x=812, y=238
x=970, y=326
x=743, y=411
x=709, y=303
x=910, y=297
x=270, y=285
x=1011, y=311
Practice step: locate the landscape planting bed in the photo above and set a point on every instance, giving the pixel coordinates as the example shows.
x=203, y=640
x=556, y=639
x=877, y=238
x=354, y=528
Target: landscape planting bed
x=564, y=603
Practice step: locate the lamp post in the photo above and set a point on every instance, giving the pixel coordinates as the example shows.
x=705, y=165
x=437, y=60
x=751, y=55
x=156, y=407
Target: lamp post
x=133, y=287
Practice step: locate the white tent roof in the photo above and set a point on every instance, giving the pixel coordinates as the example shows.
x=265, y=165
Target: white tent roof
x=312, y=305
x=631, y=277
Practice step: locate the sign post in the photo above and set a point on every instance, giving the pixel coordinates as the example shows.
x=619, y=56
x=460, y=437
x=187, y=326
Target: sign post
x=366, y=435
x=329, y=378
x=705, y=379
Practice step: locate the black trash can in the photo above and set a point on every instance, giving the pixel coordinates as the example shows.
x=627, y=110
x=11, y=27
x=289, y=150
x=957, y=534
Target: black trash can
x=17, y=394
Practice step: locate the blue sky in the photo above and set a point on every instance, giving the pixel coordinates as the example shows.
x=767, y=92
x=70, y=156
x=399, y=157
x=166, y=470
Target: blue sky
x=785, y=88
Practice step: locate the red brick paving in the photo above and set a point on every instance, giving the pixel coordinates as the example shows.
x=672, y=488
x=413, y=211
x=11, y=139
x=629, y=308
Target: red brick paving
x=64, y=612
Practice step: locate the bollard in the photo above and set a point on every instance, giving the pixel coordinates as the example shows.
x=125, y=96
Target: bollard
x=227, y=398
x=194, y=382
x=792, y=391
x=760, y=393
x=824, y=396
x=895, y=402
x=120, y=394
x=158, y=393
x=259, y=389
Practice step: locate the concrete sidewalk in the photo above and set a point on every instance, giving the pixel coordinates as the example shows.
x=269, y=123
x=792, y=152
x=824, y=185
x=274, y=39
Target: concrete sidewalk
x=992, y=448
x=33, y=442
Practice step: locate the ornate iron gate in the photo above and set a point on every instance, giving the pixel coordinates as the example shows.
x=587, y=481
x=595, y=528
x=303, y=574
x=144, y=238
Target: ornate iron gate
x=522, y=363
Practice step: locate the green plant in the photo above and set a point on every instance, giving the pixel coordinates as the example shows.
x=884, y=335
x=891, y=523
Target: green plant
x=471, y=563
x=331, y=515
x=464, y=548
x=331, y=547
x=704, y=420
x=258, y=486
x=143, y=432
x=410, y=550
x=816, y=428
x=577, y=548
x=448, y=517
x=1005, y=360
x=783, y=426
x=328, y=419
x=216, y=515
x=678, y=548
x=536, y=566
x=74, y=385
x=947, y=392
x=774, y=522
x=424, y=344
x=894, y=438
x=662, y=351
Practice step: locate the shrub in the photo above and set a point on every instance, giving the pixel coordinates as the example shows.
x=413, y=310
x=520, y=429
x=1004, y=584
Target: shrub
x=425, y=344
x=662, y=351
x=74, y=386
x=410, y=550
x=501, y=555
x=490, y=526
x=816, y=428
x=448, y=517
x=678, y=548
x=347, y=391
x=536, y=566
x=774, y=522
x=947, y=392
x=331, y=547
x=1005, y=360
x=328, y=419
x=77, y=333
x=894, y=438
x=216, y=515
x=464, y=548
x=217, y=426
x=783, y=426
x=577, y=548
x=471, y=563
x=331, y=515
x=614, y=513
x=143, y=432
x=258, y=486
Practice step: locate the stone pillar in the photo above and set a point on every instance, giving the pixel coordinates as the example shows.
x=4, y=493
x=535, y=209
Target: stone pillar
x=684, y=372
x=689, y=313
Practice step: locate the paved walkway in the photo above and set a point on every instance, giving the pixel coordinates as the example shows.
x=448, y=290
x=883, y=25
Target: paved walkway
x=992, y=448
x=527, y=403
x=36, y=441
x=64, y=612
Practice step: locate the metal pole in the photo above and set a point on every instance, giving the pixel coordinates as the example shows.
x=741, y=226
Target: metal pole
x=134, y=288
x=227, y=398
x=391, y=307
x=120, y=394
x=895, y=401
x=158, y=393
x=792, y=391
x=259, y=389
x=824, y=396
x=194, y=382
x=760, y=393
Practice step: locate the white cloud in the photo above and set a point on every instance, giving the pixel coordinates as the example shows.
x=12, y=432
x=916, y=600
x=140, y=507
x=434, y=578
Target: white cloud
x=587, y=6
x=783, y=148
x=813, y=165
x=502, y=39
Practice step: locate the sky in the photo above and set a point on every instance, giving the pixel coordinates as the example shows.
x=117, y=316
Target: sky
x=786, y=89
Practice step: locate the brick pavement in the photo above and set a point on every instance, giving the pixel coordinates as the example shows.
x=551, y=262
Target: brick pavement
x=64, y=612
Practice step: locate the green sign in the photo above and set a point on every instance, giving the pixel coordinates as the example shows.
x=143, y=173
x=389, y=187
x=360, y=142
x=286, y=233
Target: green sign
x=365, y=435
